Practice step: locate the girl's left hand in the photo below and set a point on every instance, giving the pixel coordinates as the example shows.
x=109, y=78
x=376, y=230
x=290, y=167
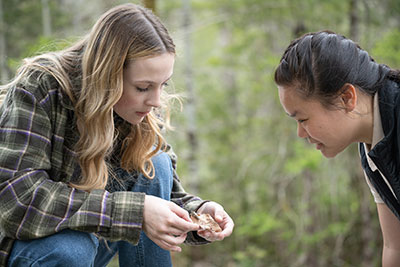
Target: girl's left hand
x=221, y=217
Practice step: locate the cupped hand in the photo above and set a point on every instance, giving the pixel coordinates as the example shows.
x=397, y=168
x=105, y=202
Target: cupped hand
x=221, y=217
x=165, y=223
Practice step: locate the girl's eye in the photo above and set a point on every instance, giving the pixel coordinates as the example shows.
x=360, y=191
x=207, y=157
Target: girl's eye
x=142, y=89
x=165, y=84
x=301, y=121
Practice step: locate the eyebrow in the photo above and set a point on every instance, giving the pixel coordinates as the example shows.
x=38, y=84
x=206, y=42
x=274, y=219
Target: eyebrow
x=147, y=81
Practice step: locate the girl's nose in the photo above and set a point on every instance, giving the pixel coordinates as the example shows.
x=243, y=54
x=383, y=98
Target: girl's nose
x=154, y=98
x=301, y=132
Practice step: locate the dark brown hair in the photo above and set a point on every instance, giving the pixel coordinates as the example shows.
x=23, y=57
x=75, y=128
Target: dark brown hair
x=319, y=65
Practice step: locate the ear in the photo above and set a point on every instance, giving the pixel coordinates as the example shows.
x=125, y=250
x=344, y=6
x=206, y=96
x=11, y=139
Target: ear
x=348, y=97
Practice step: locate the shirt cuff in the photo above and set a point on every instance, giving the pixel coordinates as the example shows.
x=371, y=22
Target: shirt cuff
x=127, y=216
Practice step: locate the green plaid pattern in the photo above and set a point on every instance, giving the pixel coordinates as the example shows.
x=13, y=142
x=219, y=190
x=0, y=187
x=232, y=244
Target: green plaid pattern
x=37, y=161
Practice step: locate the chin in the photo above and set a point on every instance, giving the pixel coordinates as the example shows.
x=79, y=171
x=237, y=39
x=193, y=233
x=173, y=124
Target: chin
x=330, y=154
x=134, y=121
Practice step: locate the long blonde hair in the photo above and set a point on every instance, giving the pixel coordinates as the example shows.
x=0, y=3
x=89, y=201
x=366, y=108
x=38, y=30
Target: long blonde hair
x=122, y=34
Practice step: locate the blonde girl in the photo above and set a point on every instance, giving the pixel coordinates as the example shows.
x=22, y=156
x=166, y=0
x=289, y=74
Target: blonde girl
x=84, y=170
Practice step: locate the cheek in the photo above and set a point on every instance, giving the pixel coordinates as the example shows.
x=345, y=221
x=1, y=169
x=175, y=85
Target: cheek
x=317, y=131
x=120, y=104
x=330, y=135
x=123, y=105
x=125, y=100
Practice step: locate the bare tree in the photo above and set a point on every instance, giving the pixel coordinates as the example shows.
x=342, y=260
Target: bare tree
x=150, y=4
x=366, y=215
x=354, y=20
x=46, y=18
x=191, y=103
x=3, y=51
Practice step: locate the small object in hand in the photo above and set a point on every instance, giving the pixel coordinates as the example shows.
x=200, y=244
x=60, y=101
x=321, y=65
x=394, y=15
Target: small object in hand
x=205, y=221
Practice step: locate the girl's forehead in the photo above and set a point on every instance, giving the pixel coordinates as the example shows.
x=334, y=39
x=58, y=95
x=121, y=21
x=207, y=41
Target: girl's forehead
x=295, y=104
x=291, y=93
x=156, y=69
x=289, y=100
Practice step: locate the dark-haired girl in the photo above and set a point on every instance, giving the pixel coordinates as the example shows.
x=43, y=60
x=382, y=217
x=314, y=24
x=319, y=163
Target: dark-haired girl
x=339, y=95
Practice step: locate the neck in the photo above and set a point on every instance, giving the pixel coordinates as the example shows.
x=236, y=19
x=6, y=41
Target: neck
x=367, y=118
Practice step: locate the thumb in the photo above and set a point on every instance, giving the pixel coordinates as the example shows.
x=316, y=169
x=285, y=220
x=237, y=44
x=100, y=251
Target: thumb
x=180, y=212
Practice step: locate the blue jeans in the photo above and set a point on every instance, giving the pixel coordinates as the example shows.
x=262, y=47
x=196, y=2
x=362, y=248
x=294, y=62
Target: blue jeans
x=74, y=248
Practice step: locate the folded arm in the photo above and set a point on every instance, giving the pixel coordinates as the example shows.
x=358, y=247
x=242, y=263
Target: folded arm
x=35, y=198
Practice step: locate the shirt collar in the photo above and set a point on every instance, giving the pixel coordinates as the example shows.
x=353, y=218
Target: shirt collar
x=377, y=133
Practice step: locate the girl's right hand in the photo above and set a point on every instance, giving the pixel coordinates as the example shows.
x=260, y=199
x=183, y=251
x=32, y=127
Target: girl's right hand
x=165, y=223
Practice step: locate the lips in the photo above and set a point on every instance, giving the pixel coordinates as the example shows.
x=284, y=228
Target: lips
x=319, y=146
x=142, y=113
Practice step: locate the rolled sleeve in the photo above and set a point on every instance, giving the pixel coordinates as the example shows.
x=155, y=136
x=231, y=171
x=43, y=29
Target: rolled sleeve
x=127, y=216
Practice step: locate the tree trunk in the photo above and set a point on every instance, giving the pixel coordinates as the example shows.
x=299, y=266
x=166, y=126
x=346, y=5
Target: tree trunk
x=354, y=21
x=366, y=216
x=228, y=77
x=77, y=15
x=195, y=253
x=190, y=105
x=299, y=29
x=46, y=18
x=3, y=51
x=151, y=4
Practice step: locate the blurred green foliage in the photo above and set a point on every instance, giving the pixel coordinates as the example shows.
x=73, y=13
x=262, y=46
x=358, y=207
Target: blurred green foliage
x=304, y=158
x=43, y=44
x=291, y=206
x=387, y=49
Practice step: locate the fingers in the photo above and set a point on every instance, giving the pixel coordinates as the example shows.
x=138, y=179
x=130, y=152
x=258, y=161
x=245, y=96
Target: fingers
x=183, y=214
x=182, y=221
x=226, y=225
x=184, y=226
x=166, y=223
x=221, y=217
x=171, y=243
x=175, y=231
x=174, y=226
x=211, y=236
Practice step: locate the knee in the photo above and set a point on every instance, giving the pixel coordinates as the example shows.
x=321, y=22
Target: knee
x=162, y=163
x=161, y=184
x=66, y=248
x=77, y=249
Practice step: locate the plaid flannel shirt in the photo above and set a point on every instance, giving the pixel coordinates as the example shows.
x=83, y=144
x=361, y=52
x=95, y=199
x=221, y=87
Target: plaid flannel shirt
x=37, y=160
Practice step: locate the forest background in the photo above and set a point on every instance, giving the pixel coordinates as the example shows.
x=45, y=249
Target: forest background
x=236, y=146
